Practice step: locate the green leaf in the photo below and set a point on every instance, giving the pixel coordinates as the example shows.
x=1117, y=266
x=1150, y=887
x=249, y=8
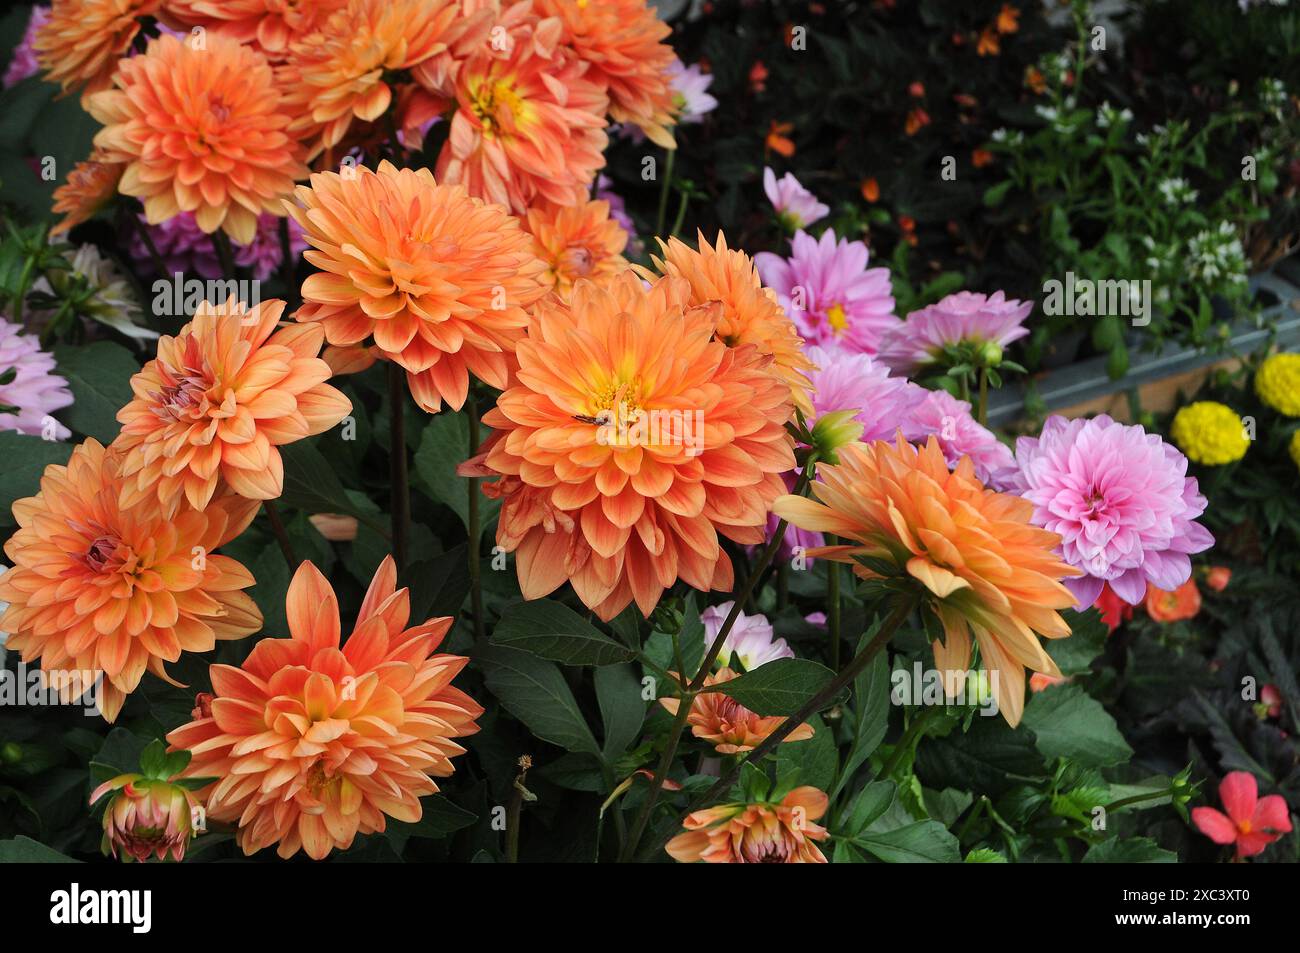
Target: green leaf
x=312, y=485
x=869, y=804
x=1134, y=850
x=24, y=850
x=925, y=842
x=1070, y=723
x=812, y=761
x=984, y=759
x=985, y=856
x=444, y=445
x=153, y=760
x=439, y=585
x=870, y=713
x=25, y=459
x=99, y=376
x=1074, y=654
x=438, y=818
x=622, y=709
x=534, y=691
x=554, y=631
x=780, y=687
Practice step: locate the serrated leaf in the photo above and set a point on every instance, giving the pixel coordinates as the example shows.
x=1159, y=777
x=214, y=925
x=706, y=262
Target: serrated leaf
x=534, y=691
x=554, y=631
x=622, y=709
x=780, y=687
x=99, y=376
x=25, y=459
x=1070, y=723
x=1133, y=850
x=925, y=842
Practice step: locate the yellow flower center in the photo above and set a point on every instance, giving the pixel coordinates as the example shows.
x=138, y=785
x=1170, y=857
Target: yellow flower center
x=837, y=319
x=499, y=107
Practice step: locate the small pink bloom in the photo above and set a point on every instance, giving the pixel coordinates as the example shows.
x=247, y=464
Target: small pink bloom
x=24, y=64
x=1251, y=822
x=795, y=206
x=32, y=391
x=750, y=639
x=962, y=318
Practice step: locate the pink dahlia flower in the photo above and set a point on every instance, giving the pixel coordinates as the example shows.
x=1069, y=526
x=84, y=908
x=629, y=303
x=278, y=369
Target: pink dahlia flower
x=750, y=639
x=828, y=291
x=1121, y=500
x=691, y=92
x=959, y=434
x=30, y=391
x=962, y=318
x=23, y=63
x=795, y=206
x=848, y=381
x=184, y=247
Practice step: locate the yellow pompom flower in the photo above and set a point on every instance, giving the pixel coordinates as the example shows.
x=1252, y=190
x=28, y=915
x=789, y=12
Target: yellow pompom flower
x=1277, y=382
x=1210, y=433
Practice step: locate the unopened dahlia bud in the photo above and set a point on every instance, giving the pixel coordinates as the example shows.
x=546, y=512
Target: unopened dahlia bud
x=149, y=814
x=835, y=430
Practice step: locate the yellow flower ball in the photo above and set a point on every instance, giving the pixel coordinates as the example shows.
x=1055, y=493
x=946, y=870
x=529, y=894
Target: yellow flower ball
x=1278, y=383
x=1210, y=433
x=1295, y=448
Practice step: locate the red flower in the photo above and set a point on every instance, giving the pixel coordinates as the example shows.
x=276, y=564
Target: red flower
x=1114, y=610
x=1183, y=603
x=1252, y=822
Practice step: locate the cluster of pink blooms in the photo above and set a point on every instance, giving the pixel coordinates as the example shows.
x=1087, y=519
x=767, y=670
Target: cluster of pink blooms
x=184, y=247
x=30, y=391
x=23, y=63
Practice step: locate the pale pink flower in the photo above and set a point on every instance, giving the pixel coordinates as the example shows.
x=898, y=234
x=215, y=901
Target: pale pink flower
x=1121, y=500
x=750, y=639
x=940, y=414
x=23, y=63
x=964, y=318
x=795, y=206
x=34, y=392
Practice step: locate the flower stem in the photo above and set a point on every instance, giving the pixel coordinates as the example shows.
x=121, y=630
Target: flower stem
x=910, y=736
x=400, y=485
x=475, y=531
x=664, y=190
x=860, y=661
x=833, y=604
x=982, y=413
x=221, y=242
x=281, y=534
x=739, y=597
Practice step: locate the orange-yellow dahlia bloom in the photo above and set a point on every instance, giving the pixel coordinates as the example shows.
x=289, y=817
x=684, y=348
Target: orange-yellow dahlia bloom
x=441, y=280
x=90, y=186
x=751, y=313
x=337, y=73
x=312, y=744
x=631, y=439
x=271, y=24
x=201, y=130
x=781, y=833
x=529, y=123
x=104, y=588
x=219, y=399
x=981, y=565
x=727, y=724
x=81, y=42
x=622, y=41
x=579, y=241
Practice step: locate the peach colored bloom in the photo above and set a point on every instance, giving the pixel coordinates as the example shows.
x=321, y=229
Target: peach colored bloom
x=202, y=131
x=1179, y=605
x=581, y=241
x=89, y=187
x=529, y=125
x=100, y=587
x=312, y=744
x=781, y=833
x=630, y=440
x=218, y=400
x=1217, y=577
x=338, y=72
x=441, y=280
x=751, y=313
x=336, y=527
x=271, y=24
x=81, y=42
x=146, y=817
x=980, y=564
x=728, y=725
x=1038, y=681
x=622, y=41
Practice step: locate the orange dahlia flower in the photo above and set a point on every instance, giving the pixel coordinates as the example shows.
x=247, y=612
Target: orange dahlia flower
x=97, y=587
x=728, y=725
x=982, y=567
x=751, y=313
x=271, y=24
x=580, y=241
x=442, y=280
x=82, y=41
x=218, y=400
x=622, y=41
x=202, y=130
x=337, y=73
x=529, y=125
x=781, y=833
x=312, y=744
x=90, y=186
x=630, y=440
